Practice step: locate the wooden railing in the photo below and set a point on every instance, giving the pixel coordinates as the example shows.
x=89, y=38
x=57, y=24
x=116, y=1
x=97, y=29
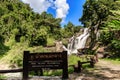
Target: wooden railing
x=11, y=71
x=79, y=66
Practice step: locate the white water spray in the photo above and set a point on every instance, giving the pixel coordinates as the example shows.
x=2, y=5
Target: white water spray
x=76, y=43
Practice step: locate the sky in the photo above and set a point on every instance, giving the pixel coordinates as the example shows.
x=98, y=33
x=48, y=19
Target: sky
x=67, y=10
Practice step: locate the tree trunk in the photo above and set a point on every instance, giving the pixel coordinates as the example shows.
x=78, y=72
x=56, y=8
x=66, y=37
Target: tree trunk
x=93, y=32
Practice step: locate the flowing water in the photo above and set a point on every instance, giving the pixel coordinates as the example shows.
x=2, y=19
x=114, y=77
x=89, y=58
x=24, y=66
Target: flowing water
x=76, y=43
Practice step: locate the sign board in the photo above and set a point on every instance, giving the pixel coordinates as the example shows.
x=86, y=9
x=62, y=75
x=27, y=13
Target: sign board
x=38, y=61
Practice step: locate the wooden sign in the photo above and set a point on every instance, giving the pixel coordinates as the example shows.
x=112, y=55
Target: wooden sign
x=38, y=61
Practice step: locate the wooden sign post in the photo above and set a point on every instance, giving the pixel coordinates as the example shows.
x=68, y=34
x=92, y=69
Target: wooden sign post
x=39, y=61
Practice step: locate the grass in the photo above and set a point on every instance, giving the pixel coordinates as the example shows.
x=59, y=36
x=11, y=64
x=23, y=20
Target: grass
x=50, y=41
x=114, y=61
x=2, y=77
x=57, y=72
x=73, y=59
x=15, y=54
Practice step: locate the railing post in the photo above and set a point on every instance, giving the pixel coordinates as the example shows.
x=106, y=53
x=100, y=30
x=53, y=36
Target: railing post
x=92, y=62
x=25, y=65
x=79, y=66
x=65, y=65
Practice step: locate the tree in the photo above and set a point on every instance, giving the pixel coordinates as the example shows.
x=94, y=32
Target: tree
x=68, y=30
x=95, y=14
x=19, y=22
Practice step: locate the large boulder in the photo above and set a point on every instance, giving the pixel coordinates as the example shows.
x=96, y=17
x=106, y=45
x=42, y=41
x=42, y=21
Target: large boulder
x=59, y=46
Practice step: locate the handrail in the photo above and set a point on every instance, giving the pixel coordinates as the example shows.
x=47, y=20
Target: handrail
x=11, y=71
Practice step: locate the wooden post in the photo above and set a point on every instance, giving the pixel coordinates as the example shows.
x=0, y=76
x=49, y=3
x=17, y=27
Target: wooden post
x=25, y=65
x=65, y=65
x=79, y=66
x=92, y=62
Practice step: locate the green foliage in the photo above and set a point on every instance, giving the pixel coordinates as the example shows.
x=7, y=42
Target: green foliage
x=104, y=15
x=65, y=42
x=69, y=30
x=22, y=29
x=91, y=52
x=115, y=47
x=57, y=72
x=20, y=21
x=112, y=40
x=39, y=37
x=22, y=39
x=100, y=12
x=11, y=42
x=95, y=16
x=113, y=61
x=14, y=55
x=116, y=44
x=94, y=11
x=50, y=41
x=106, y=37
x=113, y=25
x=73, y=59
x=3, y=49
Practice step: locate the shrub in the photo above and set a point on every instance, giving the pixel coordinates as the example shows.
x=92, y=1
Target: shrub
x=115, y=47
x=106, y=37
x=50, y=41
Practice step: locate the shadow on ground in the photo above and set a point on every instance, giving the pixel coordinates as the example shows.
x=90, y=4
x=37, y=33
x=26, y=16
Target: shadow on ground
x=100, y=73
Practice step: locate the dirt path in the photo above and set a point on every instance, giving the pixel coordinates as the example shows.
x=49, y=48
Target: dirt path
x=104, y=70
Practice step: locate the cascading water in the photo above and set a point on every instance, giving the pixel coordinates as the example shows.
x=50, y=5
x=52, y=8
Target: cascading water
x=76, y=43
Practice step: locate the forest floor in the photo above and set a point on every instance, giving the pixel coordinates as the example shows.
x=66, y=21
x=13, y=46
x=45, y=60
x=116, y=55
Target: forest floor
x=104, y=70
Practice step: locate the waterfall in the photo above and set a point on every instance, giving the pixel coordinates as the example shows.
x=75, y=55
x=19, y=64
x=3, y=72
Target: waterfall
x=82, y=39
x=76, y=43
